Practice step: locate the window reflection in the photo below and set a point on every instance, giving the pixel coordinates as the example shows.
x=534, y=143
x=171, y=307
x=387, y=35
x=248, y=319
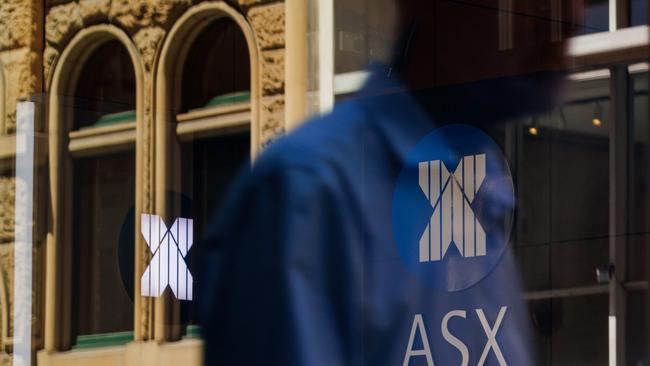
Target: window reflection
x=638, y=12
x=103, y=193
x=105, y=91
x=211, y=78
x=562, y=162
x=215, y=97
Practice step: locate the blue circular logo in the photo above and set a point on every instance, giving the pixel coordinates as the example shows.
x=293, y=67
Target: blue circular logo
x=453, y=208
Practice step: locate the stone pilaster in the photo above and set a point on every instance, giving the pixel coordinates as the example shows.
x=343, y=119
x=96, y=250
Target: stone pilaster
x=268, y=22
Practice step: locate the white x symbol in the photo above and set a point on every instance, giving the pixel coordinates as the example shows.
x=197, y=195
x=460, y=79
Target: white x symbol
x=453, y=220
x=169, y=248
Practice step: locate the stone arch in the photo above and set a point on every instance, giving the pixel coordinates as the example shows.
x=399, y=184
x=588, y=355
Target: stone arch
x=64, y=78
x=172, y=57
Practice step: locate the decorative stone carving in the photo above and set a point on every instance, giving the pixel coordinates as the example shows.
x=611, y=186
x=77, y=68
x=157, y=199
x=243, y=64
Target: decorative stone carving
x=272, y=72
x=268, y=23
x=135, y=14
x=50, y=56
x=272, y=119
x=148, y=40
x=20, y=80
x=94, y=11
x=16, y=23
x=7, y=199
x=62, y=22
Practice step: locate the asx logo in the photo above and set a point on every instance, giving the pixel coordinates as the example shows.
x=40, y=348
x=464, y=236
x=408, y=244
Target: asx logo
x=419, y=336
x=169, y=246
x=453, y=221
x=453, y=207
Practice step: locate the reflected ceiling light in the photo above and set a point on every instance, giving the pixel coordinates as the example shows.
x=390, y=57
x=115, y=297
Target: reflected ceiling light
x=532, y=126
x=597, y=121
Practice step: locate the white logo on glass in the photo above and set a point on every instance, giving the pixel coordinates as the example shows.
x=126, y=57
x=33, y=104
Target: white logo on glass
x=169, y=247
x=453, y=220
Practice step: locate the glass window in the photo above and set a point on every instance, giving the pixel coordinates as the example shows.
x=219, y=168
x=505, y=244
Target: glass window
x=363, y=31
x=208, y=165
x=215, y=93
x=638, y=12
x=596, y=17
x=562, y=164
x=217, y=70
x=638, y=231
x=366, y=31
x=105, y=91
x=103, y=196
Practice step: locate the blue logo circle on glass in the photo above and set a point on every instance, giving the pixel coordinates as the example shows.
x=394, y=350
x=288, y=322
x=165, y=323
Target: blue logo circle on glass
x=453, y=207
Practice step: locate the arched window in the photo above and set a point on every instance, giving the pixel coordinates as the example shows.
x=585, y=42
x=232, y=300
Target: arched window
x=105, y=90
x=103, y=194
x=217, y=68
x=216, y=76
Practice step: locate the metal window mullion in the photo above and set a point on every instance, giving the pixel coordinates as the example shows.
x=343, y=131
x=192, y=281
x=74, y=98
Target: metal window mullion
x=621, y=130
x=326, y=55
x=619, y=14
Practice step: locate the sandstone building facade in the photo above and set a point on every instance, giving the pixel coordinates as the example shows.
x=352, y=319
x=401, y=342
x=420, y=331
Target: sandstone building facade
x=47, y=50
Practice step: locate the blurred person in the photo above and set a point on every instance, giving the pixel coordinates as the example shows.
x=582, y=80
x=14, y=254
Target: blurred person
x=334, y=250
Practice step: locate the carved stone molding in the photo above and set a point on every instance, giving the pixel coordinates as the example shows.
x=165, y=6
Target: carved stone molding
x=147, y=41
x=21, y=80
x=144, y=13
x=94, y=11
x=50, y=56
x=62, y=22
x=7, y=199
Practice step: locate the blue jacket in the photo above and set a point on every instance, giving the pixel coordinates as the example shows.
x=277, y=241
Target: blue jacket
x=302, y=267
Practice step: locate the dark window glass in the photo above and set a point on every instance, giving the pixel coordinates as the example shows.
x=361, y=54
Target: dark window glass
x=216, y=73
x=363, y=31
x=638, y=12
x=638, y=239
x=208, y=167
x=465, y=30
x=596, y=16
x=104, y=192
x=562, y=235
x=217, y=65
x=105, y=88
